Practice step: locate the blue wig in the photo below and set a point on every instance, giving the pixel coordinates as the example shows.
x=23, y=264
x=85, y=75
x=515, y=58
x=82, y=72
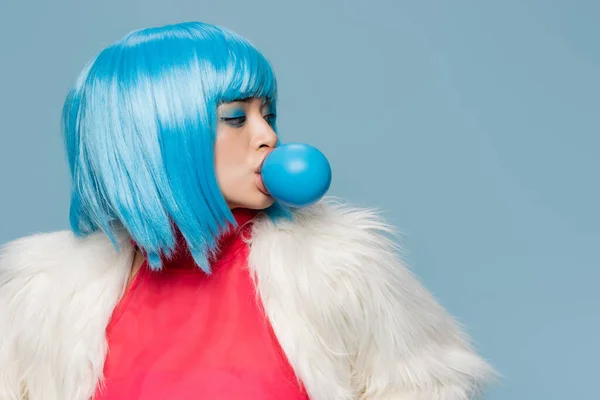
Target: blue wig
x=139, y=129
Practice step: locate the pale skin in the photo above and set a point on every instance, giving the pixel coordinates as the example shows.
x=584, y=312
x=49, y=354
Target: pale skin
x=244, y=137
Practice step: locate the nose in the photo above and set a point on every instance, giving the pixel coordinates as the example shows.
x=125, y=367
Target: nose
x=265, y=136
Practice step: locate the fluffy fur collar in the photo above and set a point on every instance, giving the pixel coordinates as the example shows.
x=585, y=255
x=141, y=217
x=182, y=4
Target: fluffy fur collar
x=352, y=319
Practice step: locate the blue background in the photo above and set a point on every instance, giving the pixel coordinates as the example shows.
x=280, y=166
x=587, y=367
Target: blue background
x=474, y=125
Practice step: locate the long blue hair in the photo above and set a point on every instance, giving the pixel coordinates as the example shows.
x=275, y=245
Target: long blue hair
x=139, y=127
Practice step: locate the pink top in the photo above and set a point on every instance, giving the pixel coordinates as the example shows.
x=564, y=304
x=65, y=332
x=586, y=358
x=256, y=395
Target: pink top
x=181, y=334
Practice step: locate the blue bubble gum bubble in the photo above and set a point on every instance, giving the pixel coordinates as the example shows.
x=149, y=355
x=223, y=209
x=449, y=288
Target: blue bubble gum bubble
x=296, y=174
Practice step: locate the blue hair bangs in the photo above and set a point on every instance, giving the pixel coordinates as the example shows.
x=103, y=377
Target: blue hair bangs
x=139, y=130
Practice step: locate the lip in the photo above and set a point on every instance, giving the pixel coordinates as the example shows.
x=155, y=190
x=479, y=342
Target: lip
x=260, y=185
x=259, y=168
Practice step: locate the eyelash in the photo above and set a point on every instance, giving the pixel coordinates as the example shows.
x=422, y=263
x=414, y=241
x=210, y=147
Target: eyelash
x=270, y=118
x=238, y=122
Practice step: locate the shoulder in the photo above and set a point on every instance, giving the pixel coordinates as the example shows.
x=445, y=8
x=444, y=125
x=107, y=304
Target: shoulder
x=336, y=240
x=336, y=244
x=34, y=251
x=53, y=252
x=54, y=265
x=333, y=220
x=23, y=259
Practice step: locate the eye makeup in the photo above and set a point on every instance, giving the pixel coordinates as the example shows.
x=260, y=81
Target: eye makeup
x=234, y=116
x=269, y=113
x=234, y=113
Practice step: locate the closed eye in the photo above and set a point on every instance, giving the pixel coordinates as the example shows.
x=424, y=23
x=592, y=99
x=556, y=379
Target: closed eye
x=234, y=121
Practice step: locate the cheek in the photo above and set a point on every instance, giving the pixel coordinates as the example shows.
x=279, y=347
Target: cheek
x=226, y=150
x=220, y=154
x=230, y=160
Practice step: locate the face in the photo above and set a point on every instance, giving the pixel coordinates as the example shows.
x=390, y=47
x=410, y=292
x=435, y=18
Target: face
x=244, y=138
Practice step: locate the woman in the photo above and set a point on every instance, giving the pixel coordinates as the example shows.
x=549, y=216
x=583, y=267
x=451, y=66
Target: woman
x=182, y=277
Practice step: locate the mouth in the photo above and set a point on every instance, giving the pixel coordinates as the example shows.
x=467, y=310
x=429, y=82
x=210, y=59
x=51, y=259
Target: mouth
x=261, y=185
x=259, y=168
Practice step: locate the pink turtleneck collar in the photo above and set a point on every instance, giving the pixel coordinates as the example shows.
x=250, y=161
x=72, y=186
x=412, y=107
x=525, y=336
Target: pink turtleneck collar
x=182, y=258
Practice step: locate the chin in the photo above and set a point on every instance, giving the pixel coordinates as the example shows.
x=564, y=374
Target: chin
x=256, y=201
x=261, y=204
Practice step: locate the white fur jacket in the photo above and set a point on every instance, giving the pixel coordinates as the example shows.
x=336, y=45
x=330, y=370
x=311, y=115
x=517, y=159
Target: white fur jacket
x=351, y=318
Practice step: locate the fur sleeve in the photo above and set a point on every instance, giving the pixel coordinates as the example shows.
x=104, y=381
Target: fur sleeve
x=399, y=342
x=407, y=346
x=56, y=296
